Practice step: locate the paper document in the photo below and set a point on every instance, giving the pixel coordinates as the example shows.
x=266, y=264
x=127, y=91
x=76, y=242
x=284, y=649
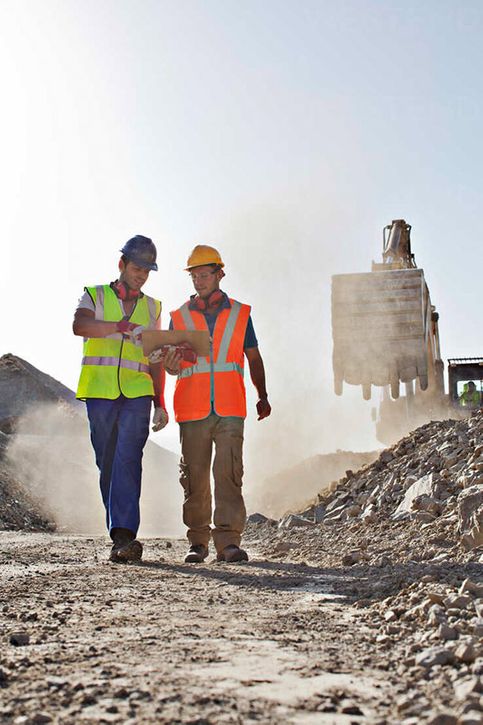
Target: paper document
x=198, y=339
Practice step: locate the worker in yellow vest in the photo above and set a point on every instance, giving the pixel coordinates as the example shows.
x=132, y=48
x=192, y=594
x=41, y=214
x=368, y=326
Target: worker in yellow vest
x=210, y=407
x=470, y=397
x=118, y=385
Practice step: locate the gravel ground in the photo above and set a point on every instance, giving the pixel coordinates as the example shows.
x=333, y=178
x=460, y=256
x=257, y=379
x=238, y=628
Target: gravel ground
x=274, y=640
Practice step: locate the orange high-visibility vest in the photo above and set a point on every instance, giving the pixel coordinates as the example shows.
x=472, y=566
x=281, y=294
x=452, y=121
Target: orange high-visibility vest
x=216, y=379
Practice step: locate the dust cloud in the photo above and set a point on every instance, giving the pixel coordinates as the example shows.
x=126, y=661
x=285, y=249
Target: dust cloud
x=280, y=261
x=297, y=488
x=51, y=454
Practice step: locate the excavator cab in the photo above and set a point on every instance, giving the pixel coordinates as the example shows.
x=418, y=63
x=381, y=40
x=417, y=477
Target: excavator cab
x=465, y=383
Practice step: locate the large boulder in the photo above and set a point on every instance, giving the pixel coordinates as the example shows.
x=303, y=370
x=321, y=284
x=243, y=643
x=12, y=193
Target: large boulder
x=470, y=516
x=424, y=486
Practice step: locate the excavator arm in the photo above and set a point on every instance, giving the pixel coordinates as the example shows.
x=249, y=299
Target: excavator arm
x=384, y=327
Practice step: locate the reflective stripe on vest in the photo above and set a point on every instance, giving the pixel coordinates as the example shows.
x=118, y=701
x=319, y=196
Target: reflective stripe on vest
x=221, y=365
x=221, y=373
x=114, y=365
x=128, y=364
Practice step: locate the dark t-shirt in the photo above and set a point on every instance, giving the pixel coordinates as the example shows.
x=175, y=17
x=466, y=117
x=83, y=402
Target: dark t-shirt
x=250, y=337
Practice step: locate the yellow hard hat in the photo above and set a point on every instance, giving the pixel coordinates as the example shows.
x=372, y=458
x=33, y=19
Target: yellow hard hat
x=203, y=254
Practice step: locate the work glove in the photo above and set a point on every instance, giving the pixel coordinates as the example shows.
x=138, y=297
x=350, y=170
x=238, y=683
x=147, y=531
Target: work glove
x=130, y=330
x=160, y=419
x=125, y=326
x=183, y=349
x=263, y=408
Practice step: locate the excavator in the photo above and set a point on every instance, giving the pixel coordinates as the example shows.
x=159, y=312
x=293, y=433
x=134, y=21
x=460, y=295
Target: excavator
x=385, y=333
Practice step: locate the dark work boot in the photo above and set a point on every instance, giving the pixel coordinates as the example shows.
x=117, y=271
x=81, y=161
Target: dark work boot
x=125, y=546
x=232, y=553
x=196, y=554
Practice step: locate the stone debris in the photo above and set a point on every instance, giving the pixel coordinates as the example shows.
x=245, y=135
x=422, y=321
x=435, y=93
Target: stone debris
x=292, y=521
x=260, y=519
x=19, y=639
x=278, y=495
x=22, y=387
x=433, y=476
x=470, y=515
x=414, y=515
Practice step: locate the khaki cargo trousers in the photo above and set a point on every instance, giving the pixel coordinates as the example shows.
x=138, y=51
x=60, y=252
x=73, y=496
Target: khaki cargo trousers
x=197, y=439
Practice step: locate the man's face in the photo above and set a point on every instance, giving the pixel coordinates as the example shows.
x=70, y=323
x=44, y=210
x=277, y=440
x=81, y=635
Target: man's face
x=134, y=276
x=205, y=280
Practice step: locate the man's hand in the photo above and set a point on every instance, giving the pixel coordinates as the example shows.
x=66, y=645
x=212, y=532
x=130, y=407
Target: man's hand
x=263, y=408
x=172, y=362
x=160, y=419
x=184, y=349
x=130, y=330
x=125, y=327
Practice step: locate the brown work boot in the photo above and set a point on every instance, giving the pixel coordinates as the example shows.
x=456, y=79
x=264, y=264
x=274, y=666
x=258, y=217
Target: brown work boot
x=125, y=546
x=196, y=554
x=232, y=553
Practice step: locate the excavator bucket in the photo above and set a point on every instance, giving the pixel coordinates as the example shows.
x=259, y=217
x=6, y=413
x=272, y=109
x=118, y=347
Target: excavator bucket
x=380, y=327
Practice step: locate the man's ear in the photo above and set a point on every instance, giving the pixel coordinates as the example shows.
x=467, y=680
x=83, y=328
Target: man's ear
x=121, y=266
x=219, y=275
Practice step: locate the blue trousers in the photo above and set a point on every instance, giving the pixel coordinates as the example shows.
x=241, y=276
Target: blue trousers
x=119, y=430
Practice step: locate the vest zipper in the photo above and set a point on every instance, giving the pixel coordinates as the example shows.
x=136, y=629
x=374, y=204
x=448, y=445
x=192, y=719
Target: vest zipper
x=128, y=317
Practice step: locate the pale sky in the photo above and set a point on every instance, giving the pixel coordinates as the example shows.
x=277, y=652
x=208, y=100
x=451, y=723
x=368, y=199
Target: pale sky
x=286, y=133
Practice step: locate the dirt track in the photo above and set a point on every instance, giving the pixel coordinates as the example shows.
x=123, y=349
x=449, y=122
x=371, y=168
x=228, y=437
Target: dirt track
x=165, y=642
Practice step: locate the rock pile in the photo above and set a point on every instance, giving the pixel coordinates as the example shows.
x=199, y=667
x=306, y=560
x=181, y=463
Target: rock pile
x=23, y=387
x=408, y=531
x=18, y=509
x=432, y=630
x=435, y=474
x=277, y=494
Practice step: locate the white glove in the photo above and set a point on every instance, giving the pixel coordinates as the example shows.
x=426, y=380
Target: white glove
x=156, y=355
x=136, y=335
x=160, y=419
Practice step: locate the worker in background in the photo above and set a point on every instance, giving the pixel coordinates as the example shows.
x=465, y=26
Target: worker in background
x=119, y=385
x=210, y=407
x=470, y=397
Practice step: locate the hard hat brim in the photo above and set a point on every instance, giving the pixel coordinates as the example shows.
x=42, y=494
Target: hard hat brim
x=151, y=266
x=205, y=264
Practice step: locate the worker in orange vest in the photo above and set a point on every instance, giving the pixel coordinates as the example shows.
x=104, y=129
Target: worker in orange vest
x=210, y=407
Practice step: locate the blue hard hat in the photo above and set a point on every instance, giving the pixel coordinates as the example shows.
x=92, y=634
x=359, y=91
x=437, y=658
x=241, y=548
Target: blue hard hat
x=141, y=251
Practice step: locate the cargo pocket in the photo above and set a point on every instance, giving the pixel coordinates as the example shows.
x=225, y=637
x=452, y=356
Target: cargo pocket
x=185, y=479
x=237, y=467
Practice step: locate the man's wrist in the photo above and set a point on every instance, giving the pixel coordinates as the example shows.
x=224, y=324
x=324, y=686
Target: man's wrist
x=158, y=401
x=263, y=397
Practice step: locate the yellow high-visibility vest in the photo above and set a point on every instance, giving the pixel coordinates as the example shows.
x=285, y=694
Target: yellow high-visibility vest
x=113, y=365
x=469, y=399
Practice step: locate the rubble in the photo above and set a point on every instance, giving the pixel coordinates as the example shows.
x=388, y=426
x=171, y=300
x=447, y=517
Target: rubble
x=22, y=389
x=278, y=495
x=419, y=480
x=414, y=515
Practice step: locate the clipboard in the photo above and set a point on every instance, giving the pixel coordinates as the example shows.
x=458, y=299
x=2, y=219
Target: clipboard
x=198, y=339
